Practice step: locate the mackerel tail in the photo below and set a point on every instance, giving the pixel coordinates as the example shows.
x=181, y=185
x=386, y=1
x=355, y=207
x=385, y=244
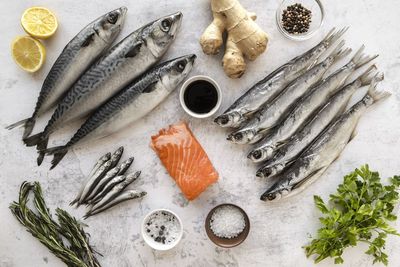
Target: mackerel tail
x=58, y=153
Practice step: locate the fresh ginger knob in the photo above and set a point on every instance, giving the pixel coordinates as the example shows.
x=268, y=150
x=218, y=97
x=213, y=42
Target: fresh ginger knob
x=245, y=37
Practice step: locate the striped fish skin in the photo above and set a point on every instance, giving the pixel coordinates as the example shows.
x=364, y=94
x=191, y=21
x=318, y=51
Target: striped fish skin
x=76, y=57
x=298, y=142
x=131, y=103
x=327, y=147
x=120, y=65
x=269, y=115
x=266, y=89
x=306, y=106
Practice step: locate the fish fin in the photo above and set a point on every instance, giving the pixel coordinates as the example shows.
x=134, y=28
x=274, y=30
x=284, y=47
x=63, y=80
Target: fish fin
x=41, y=146
x=375, y=93
x=150, y=88
x=17, y=124
x=59, y=152
x=360, y=59
x=353, y=134
x=312, y=177
x=368, y=75
x=134, y=50
x=334, y=35
x=88, y=40
x=339, y=53
x=34, y=140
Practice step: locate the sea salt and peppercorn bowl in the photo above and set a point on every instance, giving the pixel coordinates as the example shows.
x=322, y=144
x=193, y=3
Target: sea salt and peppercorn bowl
x=317, y=18
x=227, y=242
x=151, y=241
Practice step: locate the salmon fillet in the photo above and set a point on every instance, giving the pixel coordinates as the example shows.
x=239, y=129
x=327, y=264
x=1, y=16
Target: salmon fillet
x=184, y=159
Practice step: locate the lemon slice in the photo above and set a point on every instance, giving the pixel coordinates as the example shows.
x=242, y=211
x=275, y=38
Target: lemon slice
x=28, y=53
x=39, y=22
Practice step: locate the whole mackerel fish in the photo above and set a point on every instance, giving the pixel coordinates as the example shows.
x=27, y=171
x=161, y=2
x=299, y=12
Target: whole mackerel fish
x=266, y=89
x=130, y=104
x=319, y=156
x=270, y=114
x=306, y=106
x=75, y=58
x=120, y=65
x=298, y=142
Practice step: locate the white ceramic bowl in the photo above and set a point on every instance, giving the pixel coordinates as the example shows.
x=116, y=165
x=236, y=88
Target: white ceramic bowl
x=156, y=245
x=185, y=86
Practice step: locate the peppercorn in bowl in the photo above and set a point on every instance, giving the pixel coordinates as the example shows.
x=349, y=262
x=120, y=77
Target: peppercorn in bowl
x=299, y=20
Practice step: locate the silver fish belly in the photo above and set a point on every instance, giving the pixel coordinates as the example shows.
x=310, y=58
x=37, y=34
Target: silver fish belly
x=75, y=58
x=266, y=89
x=270, y=114
x=306, y=107
x=298, y=142
x=131, y=103
x=325, y=149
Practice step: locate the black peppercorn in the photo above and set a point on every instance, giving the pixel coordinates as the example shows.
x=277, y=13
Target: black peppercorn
x=296, y=19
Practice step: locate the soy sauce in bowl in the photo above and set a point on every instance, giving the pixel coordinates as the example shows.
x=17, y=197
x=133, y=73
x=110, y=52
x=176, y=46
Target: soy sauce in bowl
x=200, y=96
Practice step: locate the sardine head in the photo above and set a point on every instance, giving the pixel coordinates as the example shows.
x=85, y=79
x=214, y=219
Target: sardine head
x=260, y=154
x=242, y=137
x=231, y=119
x=160, y=33
x=176, y=70
x=110, y=25
x=276, y=192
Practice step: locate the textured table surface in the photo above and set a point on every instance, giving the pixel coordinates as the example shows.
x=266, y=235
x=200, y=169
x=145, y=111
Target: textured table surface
x=278, y=230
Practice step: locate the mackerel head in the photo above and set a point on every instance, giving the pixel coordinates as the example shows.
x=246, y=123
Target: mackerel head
x=124, y=62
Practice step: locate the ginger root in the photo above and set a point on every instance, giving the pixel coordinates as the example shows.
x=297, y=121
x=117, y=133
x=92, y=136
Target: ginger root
x=245, y=38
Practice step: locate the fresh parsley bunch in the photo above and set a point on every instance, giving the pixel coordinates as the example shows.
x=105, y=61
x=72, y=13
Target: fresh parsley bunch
x=358, y=212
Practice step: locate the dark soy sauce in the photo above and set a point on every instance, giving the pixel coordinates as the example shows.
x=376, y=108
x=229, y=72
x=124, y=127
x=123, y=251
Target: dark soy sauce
x=200, y=96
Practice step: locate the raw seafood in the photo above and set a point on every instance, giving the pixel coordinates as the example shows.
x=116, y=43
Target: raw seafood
x=266, y=89
x=184, y=159
x=130, y=104
x=270, y=114
x=306, y=106
x=75, y=58
x=119, y=66
x=327, y=147
x=298, y=142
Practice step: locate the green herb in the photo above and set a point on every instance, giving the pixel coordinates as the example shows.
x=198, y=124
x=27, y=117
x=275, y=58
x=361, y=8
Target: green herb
x=359, y=212
x=66, y=239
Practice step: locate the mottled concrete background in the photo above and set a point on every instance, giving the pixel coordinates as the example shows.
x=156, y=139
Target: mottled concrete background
x=278, y=231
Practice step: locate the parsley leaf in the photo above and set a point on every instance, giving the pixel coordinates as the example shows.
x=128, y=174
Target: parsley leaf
x=358, y=212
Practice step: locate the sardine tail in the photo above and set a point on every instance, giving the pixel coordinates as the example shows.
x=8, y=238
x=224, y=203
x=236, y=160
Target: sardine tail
x=377, y=94
x=58, y=152
x=360, y=59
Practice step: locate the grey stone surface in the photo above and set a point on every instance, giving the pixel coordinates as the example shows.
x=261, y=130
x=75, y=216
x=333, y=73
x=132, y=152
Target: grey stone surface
x=278, y=230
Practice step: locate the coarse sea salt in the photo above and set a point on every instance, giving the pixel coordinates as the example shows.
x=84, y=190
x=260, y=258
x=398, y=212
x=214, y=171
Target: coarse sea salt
x=227, y=222
x=163, y=227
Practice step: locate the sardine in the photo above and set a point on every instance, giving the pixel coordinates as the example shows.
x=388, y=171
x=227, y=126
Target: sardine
x=124, y=166
x=103, y=159
x=124, y=196
x=306, y=106
x=298, y=142
x=326, y=148
x=114, y=181
x=116, y=156
x=120, y=65
x=102, y=183
x=266, y=89
x=116, y=190
x=75, y=58
x=130, y=104
x=270, y=114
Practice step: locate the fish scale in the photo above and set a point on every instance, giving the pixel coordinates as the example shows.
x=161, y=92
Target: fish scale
x=120, y=65
x=75, y=58
x=131, y=103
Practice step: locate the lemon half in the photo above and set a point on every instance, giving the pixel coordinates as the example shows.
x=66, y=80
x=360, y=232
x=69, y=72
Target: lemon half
x=28, y=53
x=39, y=22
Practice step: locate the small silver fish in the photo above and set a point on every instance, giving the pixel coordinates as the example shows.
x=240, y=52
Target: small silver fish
x=116, y=156
x=120, y=65
x=102, y=183
x=124, y=196
x=75, y=58
x=266, y=89
x=298, y=142
x=327, y=147
x=306, y=106
x=124, y=166
x=270, y=114
x=114, y=181
x=130, y=104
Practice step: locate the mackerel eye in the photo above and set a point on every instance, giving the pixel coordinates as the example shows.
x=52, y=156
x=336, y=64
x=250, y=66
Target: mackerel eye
x=166, y=24
x=181, y=66
x=112, y=18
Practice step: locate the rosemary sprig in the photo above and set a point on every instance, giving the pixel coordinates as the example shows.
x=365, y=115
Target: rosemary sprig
x=66, y=240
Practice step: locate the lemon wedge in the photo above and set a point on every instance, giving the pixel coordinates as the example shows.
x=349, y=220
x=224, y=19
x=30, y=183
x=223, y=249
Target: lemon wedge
x=28, y=53
x=39, y=22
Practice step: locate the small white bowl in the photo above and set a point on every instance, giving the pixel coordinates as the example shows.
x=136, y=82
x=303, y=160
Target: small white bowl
x=156, y=245
x=185, y=86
